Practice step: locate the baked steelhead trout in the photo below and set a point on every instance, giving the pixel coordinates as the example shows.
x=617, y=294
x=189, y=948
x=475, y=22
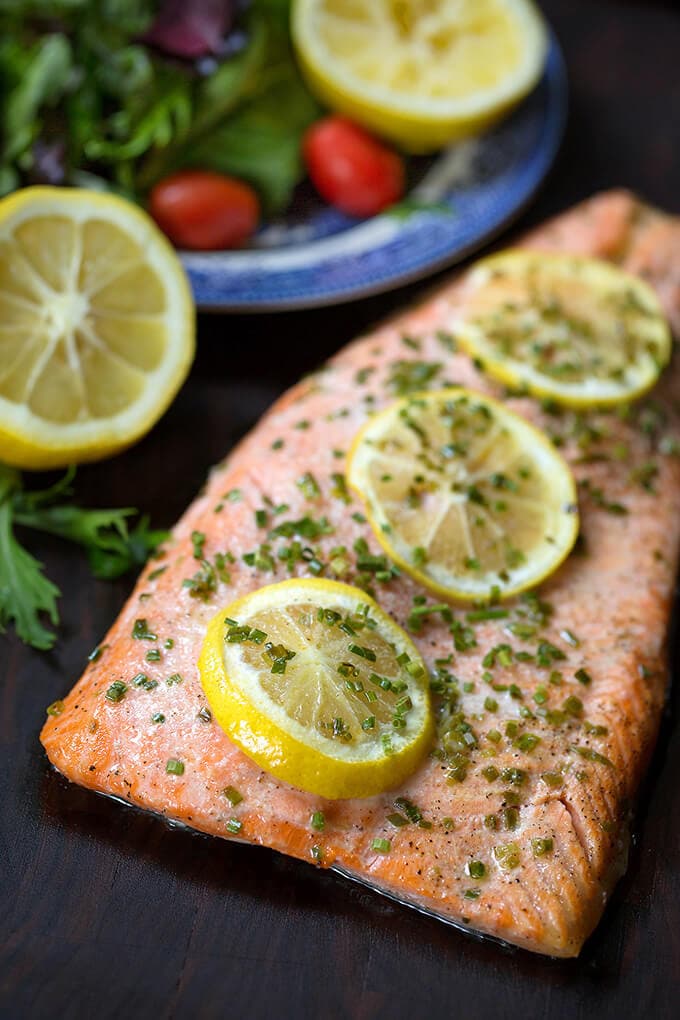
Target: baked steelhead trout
x=513, y=818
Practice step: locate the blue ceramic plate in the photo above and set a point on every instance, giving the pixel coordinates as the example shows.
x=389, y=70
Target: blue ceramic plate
x=457, y=201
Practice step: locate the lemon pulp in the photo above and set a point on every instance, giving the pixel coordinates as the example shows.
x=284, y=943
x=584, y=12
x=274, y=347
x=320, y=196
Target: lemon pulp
x=464, y=494
x=319, y=686
x=96, y=326
x=573, y=329
x=420, y=72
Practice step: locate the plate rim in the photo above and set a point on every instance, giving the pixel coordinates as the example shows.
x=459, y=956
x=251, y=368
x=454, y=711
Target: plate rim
x=557, y=122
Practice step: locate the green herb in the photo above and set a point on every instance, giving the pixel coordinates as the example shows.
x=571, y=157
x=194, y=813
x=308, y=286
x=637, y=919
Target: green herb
x=158, y=717
x=111, y=547
x=527, y=742
x=55, y=709
x=308, y=485
x=197, y=543
x=591, y=755
x=153, y=655
x=318, y=821
x=362, y=652
x=317, y=853
x=540, y=846
x=141, y=632
x=507, y=856
x=116, y=691
x=234, y=826
x=382, y=846
x=232, y=795
x=583, y=677
x=410, y=376
x=174, y=767
x=204, y=714
x=476, y=869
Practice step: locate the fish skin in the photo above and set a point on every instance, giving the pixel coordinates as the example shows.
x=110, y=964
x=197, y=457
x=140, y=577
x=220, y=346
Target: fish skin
x=617, y=599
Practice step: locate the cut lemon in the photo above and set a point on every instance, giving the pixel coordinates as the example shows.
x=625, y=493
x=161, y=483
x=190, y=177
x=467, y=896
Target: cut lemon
x=319, y=686
x=422, y=73
x=572, y=329
x=465, y=495
x=96, y=326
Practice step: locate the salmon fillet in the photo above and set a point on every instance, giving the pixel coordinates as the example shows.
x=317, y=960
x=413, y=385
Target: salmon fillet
x=549, y=824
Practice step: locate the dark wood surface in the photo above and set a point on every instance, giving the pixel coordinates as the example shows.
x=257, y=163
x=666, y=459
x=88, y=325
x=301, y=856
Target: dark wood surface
x=109, y=913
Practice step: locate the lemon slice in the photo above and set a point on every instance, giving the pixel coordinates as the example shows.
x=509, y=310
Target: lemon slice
x=573, y=329
x=314, y=682
x=465, y=495
x=96, y=326
x=422, y=73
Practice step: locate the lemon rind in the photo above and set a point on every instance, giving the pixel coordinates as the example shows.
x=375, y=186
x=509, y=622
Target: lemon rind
x=464, y=595
x=579, y=396
x=27, y=441
x=277, y=750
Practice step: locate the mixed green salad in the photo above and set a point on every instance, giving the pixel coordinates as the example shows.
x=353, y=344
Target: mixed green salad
x=117, y=94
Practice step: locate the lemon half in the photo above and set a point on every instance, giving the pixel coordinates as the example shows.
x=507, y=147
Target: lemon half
x=464, y=494
x=422, y=73
x=577, y=330
x=319, y=686
x=96, y=326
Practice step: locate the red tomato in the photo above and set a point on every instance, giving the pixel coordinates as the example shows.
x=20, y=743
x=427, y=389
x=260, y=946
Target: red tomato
x=350, y=168
x=204, y=210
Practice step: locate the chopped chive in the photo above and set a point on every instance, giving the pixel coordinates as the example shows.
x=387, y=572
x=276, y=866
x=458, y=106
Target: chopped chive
x=475, y=869
x=234, y=825
x=174, y=767
x=382, y=846
x=232, y=795
x=308, y=485
x=116, y=691
x=318, y=821
x=397, y=820
x=153, y=655
x=541, y=846
x=174, y=678
x=478, y=615
x=141, y=632
x=317, y=853
x=583, y=677
x=205, y=715
x=197, y=543
x=369, y=722
x=527, y=742
x=158, y=717
x=507, y=856
x=363, y=652
x=56, y=708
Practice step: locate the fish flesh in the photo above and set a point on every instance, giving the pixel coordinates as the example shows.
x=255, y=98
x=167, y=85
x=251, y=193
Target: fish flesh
x=520, y=843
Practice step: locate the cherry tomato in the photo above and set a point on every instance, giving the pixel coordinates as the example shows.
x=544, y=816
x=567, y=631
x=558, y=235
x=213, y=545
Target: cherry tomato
x=204, y=210
x=350, y=168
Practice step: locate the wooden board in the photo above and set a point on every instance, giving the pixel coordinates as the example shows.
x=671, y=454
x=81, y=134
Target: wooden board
x=106, y=912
